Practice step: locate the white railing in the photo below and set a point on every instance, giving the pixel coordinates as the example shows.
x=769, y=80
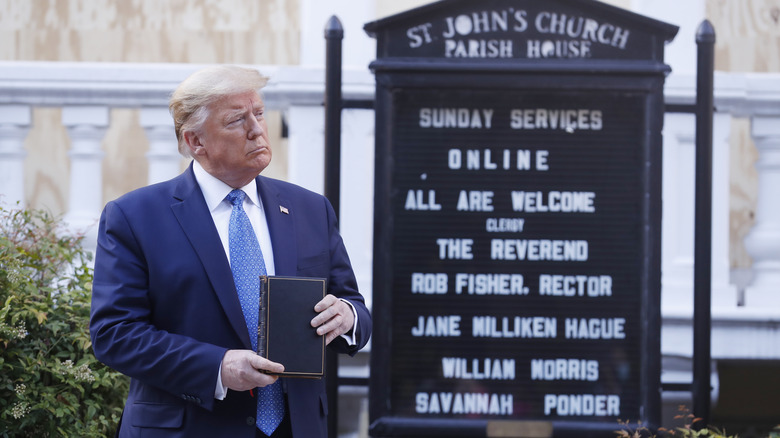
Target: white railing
x=87, y=91
x=745, y=323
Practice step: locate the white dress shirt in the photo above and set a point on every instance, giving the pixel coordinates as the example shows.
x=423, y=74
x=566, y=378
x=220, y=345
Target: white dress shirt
x=215, y=191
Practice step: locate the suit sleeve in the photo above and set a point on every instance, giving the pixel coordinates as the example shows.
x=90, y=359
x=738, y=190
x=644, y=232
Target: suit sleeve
x=123, y=334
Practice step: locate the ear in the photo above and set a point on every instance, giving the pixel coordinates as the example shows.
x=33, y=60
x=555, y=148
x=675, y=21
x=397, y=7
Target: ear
x=194, y=143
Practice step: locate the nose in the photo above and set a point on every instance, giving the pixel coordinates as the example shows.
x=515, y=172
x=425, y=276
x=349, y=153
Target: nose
x=254, y=127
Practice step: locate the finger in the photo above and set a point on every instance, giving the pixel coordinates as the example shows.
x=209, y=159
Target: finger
x=264, y=365
x=324, y=316
x=325, y=303
x=330, y=326
x=336, y=309
x=265, y=380
x=333, y=335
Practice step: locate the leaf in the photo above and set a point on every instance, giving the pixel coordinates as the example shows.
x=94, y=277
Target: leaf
x=40, y=316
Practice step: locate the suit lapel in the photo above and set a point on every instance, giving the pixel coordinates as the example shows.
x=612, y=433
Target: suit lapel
x=279, y=215
x=193, y=215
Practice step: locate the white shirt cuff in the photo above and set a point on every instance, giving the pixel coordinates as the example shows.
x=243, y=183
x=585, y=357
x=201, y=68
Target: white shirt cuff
x=220, y=392
x=350, y=338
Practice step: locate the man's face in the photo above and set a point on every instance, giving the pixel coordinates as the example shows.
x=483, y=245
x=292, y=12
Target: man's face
x=233, y=143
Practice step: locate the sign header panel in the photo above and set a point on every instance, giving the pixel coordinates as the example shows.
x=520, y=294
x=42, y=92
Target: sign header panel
x=515, y=30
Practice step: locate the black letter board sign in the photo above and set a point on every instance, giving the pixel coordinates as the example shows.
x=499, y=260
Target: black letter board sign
x=517, y=219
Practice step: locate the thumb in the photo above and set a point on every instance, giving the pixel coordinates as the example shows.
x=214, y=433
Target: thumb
x=264, y=365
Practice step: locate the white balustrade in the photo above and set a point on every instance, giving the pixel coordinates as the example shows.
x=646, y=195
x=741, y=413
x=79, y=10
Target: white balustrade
x=724, y=294
x=163, y=156
x=86, y=127
x=86, y=92
x=15, y=121
x=677, y=229
x=763, y=241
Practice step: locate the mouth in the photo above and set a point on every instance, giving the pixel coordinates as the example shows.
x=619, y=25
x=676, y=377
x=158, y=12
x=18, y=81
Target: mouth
x=257, y=150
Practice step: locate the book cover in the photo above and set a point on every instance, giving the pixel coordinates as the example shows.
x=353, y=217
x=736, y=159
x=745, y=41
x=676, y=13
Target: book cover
x=285, y=334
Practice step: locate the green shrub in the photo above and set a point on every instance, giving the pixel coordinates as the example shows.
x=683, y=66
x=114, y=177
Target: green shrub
x=50, y=382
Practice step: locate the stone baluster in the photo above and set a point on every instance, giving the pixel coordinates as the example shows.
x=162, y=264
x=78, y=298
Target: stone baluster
x=86, y=127
x=678, y=219
x=15, y=121
x=163, y=156
x=763, y=241
x=724, y=294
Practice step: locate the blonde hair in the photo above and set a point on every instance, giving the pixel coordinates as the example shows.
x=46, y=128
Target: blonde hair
x=190, y=100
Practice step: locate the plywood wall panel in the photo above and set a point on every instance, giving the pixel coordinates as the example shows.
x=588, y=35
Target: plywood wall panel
x=125, y=146
x=47, y=166
x=743, y=192
x=176, y=31
x=747, y=34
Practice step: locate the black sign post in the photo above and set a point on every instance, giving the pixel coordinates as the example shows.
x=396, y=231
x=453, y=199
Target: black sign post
x=517, y=219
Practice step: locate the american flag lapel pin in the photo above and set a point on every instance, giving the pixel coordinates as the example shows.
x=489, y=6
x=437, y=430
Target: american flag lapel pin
x=284, y=209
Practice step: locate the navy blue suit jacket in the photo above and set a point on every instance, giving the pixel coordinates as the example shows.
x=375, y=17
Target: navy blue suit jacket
x=165, y=308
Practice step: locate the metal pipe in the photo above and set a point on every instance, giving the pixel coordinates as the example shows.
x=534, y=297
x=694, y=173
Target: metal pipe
x=702, y=250
x=334, y=34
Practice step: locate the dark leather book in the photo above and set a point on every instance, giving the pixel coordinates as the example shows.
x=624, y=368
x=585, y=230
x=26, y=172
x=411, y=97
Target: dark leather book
x=285, y=334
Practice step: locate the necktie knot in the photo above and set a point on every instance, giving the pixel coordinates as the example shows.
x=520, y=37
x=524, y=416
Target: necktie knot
x=236, y=197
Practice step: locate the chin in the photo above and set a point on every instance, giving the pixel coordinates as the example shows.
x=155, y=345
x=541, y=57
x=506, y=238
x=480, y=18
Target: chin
x=261, y=164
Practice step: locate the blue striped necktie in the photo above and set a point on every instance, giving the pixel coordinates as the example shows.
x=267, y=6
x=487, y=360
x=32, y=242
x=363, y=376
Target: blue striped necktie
x=247, y=264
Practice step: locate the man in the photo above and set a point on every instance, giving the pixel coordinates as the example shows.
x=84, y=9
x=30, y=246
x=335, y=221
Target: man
x=170, y=307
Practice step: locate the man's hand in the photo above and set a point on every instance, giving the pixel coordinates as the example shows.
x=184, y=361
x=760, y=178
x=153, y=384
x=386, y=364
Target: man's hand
x=335, y=318
x=241, y=370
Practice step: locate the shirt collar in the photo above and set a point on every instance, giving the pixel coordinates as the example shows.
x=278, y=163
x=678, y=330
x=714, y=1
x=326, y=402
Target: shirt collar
x=214, y=190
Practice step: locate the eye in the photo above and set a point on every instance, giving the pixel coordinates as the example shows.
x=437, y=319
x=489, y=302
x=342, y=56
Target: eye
x=259, y=114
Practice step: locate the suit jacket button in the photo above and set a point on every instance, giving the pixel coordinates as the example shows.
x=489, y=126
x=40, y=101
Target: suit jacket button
x=250, y=421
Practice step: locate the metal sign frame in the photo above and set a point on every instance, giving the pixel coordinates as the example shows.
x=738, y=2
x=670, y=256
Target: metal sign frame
x=399, y=80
